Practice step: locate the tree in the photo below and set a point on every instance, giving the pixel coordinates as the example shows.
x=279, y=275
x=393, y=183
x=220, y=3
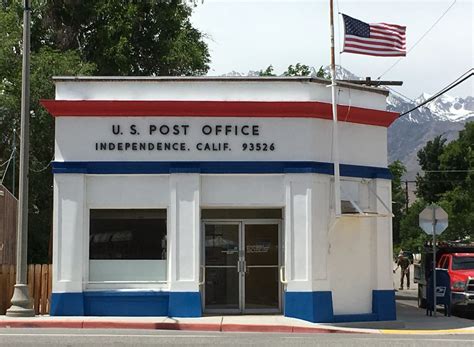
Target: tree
x=128, y=37
x=412, y=237
x=457, y=160
x=398, y=197
x=267, y=72
x=44, y=64
x=451, y=186
x=432, y=184
x=71, y=37
x=296, y=70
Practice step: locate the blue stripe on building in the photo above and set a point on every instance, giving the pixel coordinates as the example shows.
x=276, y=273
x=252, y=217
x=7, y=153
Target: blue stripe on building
x=311, y=306
x=217, y=167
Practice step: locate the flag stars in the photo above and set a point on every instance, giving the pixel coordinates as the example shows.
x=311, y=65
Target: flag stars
x=356, y=27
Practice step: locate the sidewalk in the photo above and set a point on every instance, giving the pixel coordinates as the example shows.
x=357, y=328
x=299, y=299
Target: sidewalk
x=411, y=320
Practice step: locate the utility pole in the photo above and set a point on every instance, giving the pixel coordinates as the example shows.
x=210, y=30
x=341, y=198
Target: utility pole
x=406, y=196
x=21, y=302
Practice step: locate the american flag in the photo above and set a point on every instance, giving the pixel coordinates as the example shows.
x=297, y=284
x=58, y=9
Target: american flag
x=379, y=39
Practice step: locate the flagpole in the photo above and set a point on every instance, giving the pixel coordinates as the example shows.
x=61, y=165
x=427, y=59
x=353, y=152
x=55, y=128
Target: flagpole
x=335, y=136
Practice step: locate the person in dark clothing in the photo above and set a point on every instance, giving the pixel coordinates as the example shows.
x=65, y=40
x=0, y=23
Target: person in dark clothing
x=404, y=263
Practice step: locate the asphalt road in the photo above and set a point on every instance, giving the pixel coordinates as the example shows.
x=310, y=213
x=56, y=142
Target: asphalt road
x=85, y=337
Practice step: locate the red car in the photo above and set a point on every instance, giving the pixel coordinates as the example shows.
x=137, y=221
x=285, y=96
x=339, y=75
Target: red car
x=460, y=267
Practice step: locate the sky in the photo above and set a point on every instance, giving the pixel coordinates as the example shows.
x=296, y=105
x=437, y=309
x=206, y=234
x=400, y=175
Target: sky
x=248, y=35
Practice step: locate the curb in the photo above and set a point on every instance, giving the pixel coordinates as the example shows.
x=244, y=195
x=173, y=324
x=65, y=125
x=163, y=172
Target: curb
x=80, y=324
x=218, y=327
x=460, y=331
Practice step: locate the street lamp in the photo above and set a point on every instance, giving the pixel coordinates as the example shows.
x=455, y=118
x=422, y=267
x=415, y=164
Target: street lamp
x=21, y=302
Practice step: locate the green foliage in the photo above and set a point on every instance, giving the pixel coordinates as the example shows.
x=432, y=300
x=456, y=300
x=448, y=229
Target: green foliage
x=298, y=70
x=458, y=159
x=397, y=170
x=322, y=74
x=432, y=184
x=267, y=72
x=411, y=235
x=452, y=188
x=70, y=37
x=128, y=37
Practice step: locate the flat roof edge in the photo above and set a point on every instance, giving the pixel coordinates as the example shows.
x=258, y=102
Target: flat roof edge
x=215, y=79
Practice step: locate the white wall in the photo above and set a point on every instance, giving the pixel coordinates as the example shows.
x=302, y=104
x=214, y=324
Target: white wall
x=121, y=191
x=351, y=259
x=76, y=139
x=360, y=256
x=184, y=234
x=242, y=190
x=68, y=233
x=306, y=232
x=383, y=241
x=226, y=90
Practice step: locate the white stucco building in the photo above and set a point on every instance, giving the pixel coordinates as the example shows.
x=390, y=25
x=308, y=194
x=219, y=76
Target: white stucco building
x=187, y=196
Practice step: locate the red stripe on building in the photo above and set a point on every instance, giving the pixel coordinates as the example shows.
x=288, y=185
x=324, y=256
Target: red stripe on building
x=264, y=109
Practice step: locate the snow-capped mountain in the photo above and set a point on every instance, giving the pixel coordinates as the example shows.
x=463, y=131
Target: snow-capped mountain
x=341, y=73
x=445, y=115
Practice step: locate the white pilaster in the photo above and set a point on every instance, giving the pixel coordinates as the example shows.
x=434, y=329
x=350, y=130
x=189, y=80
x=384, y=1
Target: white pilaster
x=306, y=239
x=68, y=233
x=184, y=232
x=383, y=236
x=321, y=195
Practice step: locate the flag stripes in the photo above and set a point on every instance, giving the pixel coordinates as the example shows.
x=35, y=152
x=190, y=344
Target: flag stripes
x=377, y=39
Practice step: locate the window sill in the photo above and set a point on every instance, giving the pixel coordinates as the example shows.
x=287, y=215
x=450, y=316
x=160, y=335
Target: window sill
x=132, y=285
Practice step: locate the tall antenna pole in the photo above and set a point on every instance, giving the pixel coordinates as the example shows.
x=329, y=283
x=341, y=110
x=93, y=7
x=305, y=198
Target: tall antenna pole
x=21, y=302
x=335, y=136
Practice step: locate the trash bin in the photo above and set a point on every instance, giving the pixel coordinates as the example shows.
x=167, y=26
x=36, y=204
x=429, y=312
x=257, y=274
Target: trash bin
x=443, y=292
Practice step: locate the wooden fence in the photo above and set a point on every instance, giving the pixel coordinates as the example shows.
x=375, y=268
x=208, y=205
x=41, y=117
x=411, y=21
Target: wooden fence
x=8, y=222
x=39, y=283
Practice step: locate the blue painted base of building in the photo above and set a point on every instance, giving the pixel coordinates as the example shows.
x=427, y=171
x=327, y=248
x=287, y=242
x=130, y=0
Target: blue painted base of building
x=311, y=306
x=317, y=307
x=314, y=307
x=126, y=303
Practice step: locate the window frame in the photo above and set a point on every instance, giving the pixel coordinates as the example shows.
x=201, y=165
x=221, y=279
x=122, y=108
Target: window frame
x=148, y=284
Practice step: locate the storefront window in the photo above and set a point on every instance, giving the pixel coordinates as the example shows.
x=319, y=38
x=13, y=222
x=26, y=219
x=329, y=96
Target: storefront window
x=127, y=245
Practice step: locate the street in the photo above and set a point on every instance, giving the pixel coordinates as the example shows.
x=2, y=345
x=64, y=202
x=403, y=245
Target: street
x=86, y=337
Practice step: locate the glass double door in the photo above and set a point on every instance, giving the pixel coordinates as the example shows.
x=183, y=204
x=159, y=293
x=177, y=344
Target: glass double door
x=241, y=263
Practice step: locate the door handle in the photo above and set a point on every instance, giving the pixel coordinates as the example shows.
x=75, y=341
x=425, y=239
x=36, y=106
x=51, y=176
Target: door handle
x=282, y=275
x=203, y=275
x=241, y=266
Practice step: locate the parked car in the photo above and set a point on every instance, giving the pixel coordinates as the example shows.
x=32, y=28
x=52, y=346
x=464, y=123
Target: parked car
x=458, y=260
x=460, y=267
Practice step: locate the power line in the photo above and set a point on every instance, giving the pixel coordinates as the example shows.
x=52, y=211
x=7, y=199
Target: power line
x=43, y=168
x=458, y=81
x=7, y=163
x=443, y=171
x=402, y=95
x=419, y=40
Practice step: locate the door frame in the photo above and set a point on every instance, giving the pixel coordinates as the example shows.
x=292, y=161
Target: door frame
x=242, y=223
x=203, y=265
